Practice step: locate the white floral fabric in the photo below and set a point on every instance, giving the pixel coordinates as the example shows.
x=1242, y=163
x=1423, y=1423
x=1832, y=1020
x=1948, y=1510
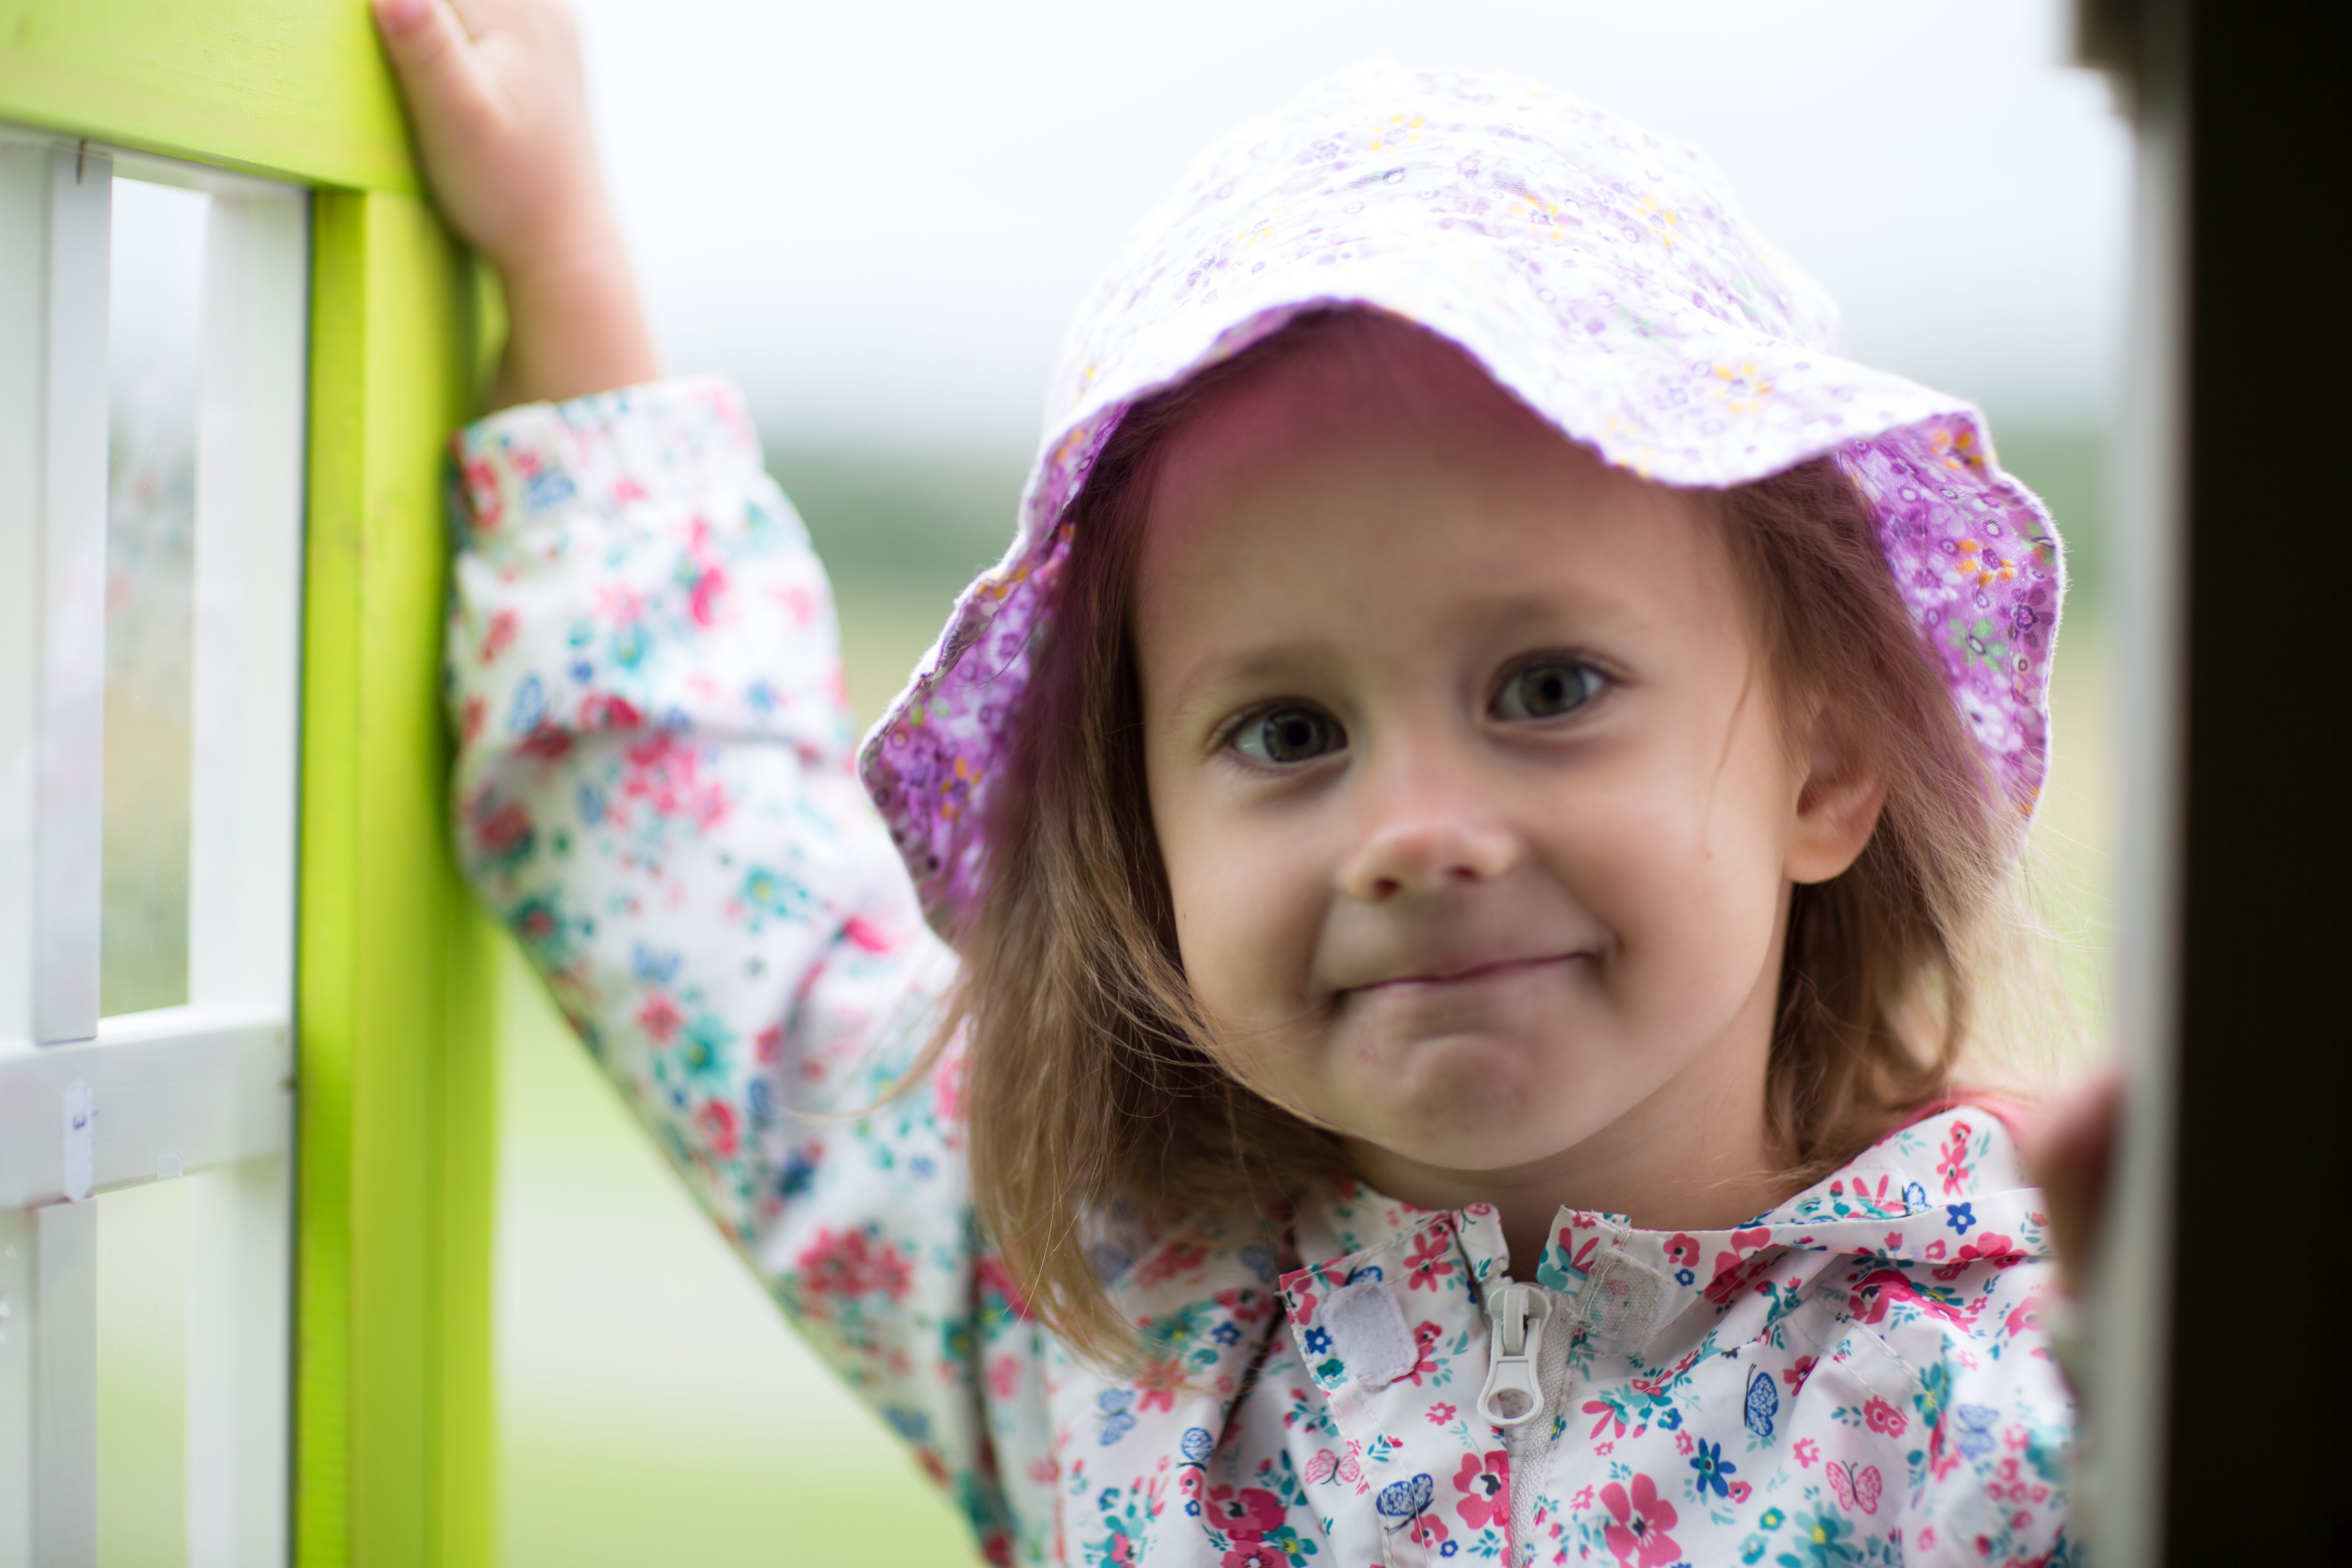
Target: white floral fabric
x=654, y=790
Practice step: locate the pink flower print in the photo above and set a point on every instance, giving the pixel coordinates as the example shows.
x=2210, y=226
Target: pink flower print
x=659, y=1018
x=849, y=1264
x=1426, y=1530
x=665, y=772
x=1177, y=1258
x=1484, y=1483
x=1952, y=1164
x=1005, y=1376
x=1740, y=1492
x=704, y=603
x=1250, y=1511
x=1430, y=1258
x=502, y=635
x=1806, y=1453
x=1159, y=1381
x=1990, y=1246
x=503, y=831
x=1439, y=1414
x=602, y=711
x=2025, y=1316
x=1255, y=1552
x=1797, y=1372
x=1682, y=1250
x=1641, y=1518
x=1424, y=1343
x=1881, y=1416
x=716, y=1121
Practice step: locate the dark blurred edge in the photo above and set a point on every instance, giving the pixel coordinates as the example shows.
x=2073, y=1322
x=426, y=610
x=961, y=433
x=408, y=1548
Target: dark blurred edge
x=2266, y=899
x=2245, y=112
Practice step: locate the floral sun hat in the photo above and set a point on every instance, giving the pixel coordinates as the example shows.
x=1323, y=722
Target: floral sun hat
x=1602, y=274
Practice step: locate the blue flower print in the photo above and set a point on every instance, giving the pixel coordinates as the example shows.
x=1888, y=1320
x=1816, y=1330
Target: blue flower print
x=1961, y=1218
x=1763, y=1402
x=1713, y=1467
x=1914, y=1196
x=1318, y=1341
x=1976, y=1421
x=1822, y=1540
x=1111, y=1404
x=653, y=965
x=1226, y=1334
x=529, y=706
x=547, y=489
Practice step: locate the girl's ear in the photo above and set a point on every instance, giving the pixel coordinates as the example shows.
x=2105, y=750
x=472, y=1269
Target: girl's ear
x=1837, y=805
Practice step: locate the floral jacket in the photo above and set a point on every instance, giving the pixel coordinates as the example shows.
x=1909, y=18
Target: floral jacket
x=654, y=791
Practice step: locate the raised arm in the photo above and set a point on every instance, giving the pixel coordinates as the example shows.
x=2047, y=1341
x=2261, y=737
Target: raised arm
x=500, y=111
x=653, y=784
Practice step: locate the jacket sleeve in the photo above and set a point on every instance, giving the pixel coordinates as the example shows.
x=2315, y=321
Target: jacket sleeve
x=654, y=791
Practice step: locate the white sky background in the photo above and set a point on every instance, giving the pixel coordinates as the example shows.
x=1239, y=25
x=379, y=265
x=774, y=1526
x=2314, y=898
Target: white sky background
x=879, y=216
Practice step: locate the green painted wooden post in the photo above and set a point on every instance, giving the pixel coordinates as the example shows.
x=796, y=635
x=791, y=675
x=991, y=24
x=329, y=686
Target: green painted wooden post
x=393, y=1434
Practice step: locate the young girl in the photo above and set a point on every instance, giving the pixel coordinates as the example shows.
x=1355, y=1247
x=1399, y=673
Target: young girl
x=1464, y=848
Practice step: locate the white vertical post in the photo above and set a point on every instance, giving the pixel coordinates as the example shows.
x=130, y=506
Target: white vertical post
x=245, y=684
x=244, y=704
x=238, y=1364
x=17, y=1375
x=54, y=209
x=65, y=1392
x=70, y=707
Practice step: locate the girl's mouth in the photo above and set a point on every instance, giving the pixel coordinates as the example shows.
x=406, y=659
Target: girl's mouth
x=1447, y=975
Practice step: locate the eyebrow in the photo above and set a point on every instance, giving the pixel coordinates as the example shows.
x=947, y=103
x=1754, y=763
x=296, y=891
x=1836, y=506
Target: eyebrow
x=1591, y=611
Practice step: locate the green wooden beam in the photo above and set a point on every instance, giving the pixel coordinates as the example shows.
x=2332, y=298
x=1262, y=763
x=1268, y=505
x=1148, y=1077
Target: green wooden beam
x=294, y=89
x=393, y=1429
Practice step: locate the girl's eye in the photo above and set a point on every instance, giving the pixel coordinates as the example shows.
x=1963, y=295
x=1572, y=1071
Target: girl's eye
x=1547, y=691
x=1288, y=735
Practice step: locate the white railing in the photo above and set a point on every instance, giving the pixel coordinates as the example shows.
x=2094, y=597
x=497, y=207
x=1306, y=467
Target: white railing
x=201, y=1091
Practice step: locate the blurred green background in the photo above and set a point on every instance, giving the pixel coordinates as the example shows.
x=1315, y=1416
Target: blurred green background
x=656, y=1409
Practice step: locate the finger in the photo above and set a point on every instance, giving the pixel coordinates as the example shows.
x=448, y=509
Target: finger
x=439, y=71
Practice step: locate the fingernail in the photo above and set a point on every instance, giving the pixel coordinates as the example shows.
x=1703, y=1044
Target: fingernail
x=400, y=13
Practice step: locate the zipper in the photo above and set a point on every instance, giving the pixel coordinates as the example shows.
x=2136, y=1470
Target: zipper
x=1515, y=1314
x=1517, y=1400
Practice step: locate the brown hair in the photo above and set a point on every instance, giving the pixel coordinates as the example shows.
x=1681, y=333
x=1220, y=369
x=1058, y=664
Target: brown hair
x=1088, y=1074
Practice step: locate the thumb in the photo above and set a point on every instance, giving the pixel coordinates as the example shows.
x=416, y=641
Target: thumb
x=440, y=74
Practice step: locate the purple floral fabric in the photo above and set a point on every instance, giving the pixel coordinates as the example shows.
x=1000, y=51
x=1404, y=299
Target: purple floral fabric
x=1603, y=274
x=652, y=791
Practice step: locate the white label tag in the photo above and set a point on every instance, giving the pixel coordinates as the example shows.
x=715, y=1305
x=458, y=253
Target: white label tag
x=79, y=1158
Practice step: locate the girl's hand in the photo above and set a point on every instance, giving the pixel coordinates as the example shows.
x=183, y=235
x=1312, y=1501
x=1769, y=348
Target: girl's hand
x=501, y=110
x=2072, y=1156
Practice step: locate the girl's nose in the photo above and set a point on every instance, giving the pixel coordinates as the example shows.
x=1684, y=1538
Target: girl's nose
x=1425, y=852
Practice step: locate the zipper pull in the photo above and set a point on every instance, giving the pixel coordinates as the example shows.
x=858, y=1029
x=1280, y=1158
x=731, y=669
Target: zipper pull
x=1512, y=1396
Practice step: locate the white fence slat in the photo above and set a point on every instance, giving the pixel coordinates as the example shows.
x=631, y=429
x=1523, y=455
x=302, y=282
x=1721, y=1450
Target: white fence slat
x=65, y=1385
x=70, y=743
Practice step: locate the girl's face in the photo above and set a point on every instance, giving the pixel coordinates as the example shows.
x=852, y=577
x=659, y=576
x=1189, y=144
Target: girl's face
x=1477, y=806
